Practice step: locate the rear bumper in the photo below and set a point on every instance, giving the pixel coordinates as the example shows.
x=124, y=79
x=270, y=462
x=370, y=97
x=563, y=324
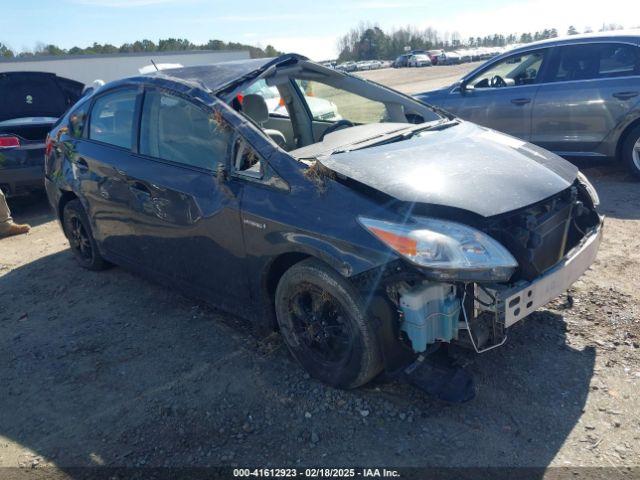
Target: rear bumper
x=21, y=180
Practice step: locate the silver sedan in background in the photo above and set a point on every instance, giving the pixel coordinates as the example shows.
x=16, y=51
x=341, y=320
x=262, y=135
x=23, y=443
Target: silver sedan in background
x=578, y=96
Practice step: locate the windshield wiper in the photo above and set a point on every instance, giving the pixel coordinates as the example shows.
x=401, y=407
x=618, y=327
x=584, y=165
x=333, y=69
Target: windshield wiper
x=399, y=135
x=389, y=137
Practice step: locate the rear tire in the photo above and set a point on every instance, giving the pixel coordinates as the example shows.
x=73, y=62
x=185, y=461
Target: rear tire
x=324, y=323
x=630, y=152
x=77, y=229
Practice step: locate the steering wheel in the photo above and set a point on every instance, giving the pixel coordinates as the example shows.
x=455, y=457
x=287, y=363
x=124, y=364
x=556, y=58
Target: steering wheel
x=340, y=124
x=497, y=81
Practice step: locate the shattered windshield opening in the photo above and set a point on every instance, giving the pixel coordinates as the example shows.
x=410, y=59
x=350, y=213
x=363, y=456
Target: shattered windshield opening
x=299, y=106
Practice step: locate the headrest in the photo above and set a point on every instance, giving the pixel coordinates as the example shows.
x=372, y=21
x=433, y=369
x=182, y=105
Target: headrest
x=255, y=107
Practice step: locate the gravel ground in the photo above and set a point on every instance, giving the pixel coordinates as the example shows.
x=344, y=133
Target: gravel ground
x=417, y=80
x=110, y=369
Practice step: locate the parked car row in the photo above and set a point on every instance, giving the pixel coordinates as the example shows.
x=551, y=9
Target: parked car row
x=362, y=65
x=442, y=57
x=422, y=58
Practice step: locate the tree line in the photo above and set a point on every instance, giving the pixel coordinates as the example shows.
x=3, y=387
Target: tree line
x=370, y=42
x=163, y=45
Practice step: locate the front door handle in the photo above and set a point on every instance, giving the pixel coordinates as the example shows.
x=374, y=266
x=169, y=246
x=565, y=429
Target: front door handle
x=82, y=163
x=138, y=187
x=625, y=95
x=520, y=101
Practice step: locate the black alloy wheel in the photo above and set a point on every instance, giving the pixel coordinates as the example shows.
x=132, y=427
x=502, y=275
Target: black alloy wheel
x=325, y=324
x=78, y=231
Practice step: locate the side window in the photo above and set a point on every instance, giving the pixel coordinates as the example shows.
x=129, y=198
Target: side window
x=516, y=70
x=605, y=60
x=178, y=130
x=112, y=118
x=618, y=60
x=330, y=104
x=77, y=120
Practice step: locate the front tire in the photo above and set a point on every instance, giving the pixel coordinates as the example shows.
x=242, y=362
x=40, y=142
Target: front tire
x=630, y=152
x=78, y=231
x=323, y=320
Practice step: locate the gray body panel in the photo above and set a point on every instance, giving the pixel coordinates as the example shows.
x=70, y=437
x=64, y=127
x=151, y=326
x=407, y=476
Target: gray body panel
x=458, y=166
x=580, y=116
x=571, y=118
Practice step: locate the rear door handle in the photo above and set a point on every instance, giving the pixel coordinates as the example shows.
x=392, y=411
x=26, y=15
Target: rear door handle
x=520, y=101
x=625, y=95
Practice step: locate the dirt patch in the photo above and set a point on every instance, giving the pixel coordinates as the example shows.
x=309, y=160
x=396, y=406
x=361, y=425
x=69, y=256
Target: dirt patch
x=318, y=174
x=417, y=80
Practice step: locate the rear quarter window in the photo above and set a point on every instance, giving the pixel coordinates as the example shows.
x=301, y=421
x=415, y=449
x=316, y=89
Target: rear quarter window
x=618, y=60
x=596, y=60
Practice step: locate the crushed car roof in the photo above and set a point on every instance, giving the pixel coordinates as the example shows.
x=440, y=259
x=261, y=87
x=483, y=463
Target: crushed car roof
x=219, y=76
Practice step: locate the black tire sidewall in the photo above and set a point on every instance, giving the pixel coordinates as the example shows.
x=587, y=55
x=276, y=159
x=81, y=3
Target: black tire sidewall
x=363, y=362
x=627, y=151
x=74, y=209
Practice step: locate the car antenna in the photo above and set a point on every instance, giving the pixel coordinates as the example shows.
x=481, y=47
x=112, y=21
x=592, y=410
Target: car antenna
x=154, y=64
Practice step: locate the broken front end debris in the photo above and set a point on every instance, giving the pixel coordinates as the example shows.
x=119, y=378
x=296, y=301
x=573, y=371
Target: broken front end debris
x=539, y=252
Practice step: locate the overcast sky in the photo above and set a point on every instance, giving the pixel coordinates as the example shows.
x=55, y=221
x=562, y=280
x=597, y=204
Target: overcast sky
x=309, y=28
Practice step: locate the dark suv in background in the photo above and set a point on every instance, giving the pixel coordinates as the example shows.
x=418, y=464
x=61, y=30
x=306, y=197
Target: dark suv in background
x=577, y=96
x=31, y=103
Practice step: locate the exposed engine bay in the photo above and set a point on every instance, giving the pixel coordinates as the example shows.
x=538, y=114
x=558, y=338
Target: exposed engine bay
x=554, y=242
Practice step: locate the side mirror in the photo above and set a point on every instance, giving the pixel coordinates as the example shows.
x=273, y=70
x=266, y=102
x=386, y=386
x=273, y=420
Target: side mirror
x=466, y=89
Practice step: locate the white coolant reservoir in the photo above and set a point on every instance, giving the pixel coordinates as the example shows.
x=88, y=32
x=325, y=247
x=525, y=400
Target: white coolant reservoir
x=430, y=313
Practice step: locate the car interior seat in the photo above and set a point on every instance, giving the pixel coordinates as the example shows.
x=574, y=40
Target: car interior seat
x=255, y=107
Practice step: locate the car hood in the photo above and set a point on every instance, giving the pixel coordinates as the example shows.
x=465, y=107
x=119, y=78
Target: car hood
x=465, y=166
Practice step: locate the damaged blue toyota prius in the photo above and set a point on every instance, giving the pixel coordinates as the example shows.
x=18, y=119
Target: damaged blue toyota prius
x=367, y=227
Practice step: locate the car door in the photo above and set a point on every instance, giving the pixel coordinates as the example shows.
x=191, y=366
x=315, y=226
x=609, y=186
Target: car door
x=99, y=160
x=501, y=96
x=588, y=90
x=186, y=223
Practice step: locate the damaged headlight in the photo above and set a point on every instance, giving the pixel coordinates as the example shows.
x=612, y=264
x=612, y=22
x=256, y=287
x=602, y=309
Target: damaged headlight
x=589, y=188
x=451, y=251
